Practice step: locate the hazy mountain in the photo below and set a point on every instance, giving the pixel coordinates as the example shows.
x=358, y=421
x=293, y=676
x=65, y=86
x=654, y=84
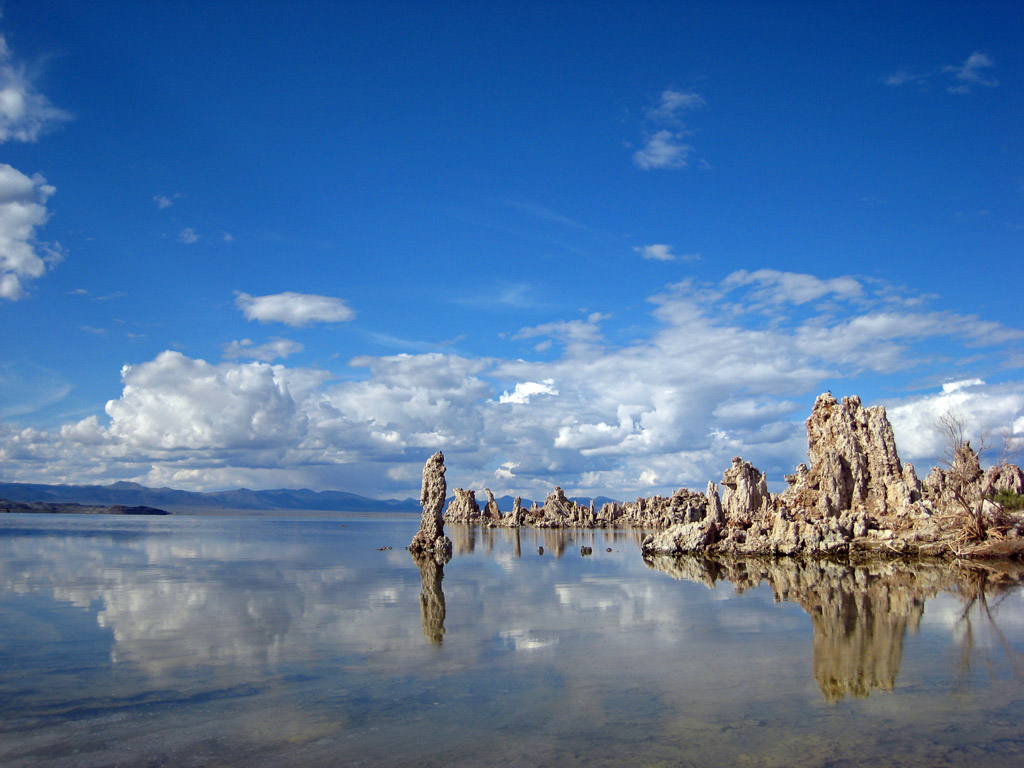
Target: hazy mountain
x=133, y=494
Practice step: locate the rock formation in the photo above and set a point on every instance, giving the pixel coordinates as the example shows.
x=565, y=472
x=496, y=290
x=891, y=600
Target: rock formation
x=491, y=511
x=746, y=492
x=1003, y=477
x=854, y=495
x=430, y=538
x=854, y=464
x=517, y=517
x=463, y=508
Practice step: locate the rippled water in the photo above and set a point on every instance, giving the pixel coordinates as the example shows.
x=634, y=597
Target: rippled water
x=271, y=641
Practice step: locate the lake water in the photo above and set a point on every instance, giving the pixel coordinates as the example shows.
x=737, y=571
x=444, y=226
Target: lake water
x=294, y=641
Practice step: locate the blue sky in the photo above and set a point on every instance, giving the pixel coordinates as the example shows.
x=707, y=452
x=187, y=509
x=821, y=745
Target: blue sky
x=604, y=245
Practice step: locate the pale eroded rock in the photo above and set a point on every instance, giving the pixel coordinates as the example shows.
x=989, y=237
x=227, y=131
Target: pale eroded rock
x=430, y=537
x=463, y=508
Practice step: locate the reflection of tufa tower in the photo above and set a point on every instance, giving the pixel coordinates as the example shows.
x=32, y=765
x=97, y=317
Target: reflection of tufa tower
x=860, y=614
x=858, y=633
x=431, y=596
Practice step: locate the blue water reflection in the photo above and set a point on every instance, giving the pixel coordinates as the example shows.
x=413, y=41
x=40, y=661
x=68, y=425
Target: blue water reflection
x=317, y=640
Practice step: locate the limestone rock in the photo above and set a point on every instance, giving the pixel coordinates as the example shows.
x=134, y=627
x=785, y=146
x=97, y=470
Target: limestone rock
x=557, y=507
x=561, y=512
x=683, y=506
x=491, y=511
x=714, y=510
x=430, y=537
x=746, y=491
x=853, y=462
x=1003, y=477
x=517, y=517
x=682, y=538
x=854, y=494
x=463, y=508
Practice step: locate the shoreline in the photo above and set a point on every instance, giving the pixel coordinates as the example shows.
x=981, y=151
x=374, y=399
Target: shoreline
x=66, y=508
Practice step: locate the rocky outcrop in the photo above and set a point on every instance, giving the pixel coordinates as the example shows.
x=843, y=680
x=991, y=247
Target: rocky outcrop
x=561, y=512
x=1003, y=477
x=463, y=508
x=854, y=495
x=683, y=506
x=698, y=521
x=517, y=517
x=855, y=473
x=430, y=537
x=746, y=492
x=491, y=511
x=854, y=464
x=683, y=537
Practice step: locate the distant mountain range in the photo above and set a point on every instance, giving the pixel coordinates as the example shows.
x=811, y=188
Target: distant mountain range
x=133, y=494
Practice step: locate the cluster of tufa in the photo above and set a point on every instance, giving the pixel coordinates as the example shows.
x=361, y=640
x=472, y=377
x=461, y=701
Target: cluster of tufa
x=854, y=495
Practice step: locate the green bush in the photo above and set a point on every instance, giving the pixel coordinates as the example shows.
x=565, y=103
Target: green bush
x=1008, y=500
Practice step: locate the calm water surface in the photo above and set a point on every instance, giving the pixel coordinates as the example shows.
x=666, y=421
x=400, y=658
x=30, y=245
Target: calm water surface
x=273, y=641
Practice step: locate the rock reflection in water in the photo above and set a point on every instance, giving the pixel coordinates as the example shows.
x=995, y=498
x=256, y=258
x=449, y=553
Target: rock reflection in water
x=463, y=536
x=432, y=608
x=978, y=589
x=860, y=613
x=263, y=642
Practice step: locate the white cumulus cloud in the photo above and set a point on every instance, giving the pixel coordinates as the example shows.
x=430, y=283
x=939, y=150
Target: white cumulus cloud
x=295, y=309
x=524, y=390
x=23, y=210
x=175, y=402
x=669, y=404
x=992, y=416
